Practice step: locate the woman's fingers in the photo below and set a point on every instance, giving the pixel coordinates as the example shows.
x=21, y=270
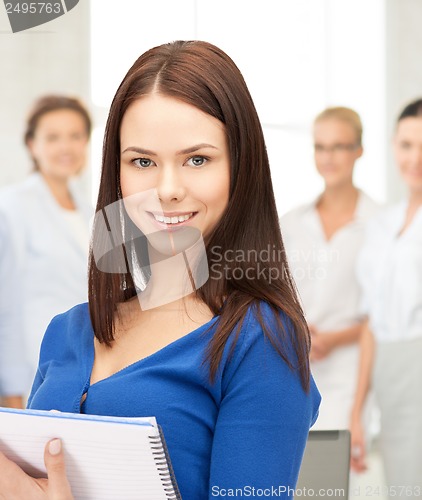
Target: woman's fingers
x=58, y=484
x=14, y=483
x=7, y=474
x=358, y=451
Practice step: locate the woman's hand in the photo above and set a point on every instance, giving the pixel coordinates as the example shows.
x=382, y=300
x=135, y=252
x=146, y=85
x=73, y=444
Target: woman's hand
x=324, y=343
x=13, y=402
x=321, y=344
x=357, y=446
x=17, y=485
x=367, y=350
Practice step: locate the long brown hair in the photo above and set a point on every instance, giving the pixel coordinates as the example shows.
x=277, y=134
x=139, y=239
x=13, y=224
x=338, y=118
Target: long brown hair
x=202, y=75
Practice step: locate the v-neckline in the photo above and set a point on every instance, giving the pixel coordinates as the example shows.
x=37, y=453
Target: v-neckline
x=320, y=225
x=140, y=361
x=400, y=234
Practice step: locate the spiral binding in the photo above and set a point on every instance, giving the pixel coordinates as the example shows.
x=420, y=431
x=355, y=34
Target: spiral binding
x=164, y=467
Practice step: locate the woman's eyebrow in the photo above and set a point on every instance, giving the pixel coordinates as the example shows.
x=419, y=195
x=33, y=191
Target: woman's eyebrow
x=195, y=148
x=191, y=149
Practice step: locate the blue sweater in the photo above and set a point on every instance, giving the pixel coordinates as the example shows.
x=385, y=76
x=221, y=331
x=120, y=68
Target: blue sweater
x=246, y=430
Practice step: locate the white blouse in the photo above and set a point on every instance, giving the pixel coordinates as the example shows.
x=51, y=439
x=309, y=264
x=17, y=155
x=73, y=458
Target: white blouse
x=324, y=272
x=43, y=267
x=390, y=272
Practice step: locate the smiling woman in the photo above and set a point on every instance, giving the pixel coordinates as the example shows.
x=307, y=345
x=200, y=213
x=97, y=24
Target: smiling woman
x=223, y=367
x=185, y=160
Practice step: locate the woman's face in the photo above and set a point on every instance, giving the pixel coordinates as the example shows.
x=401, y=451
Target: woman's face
x=174, y=167
x=59, y=145
x=336, y=151
x=408, y=152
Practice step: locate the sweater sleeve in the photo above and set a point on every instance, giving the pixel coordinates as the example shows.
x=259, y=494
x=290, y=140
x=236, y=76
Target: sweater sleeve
x=263, y=423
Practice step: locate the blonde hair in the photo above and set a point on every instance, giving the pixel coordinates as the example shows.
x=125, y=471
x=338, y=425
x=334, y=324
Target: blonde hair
x=344, y=114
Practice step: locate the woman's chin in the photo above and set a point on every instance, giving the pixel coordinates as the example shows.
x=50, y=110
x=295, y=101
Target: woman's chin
x=171, y=242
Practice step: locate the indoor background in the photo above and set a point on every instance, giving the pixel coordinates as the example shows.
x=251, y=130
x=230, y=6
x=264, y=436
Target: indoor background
x=297, y=56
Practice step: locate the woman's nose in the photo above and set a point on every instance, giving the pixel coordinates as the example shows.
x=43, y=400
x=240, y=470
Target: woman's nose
x=66, y=144
x=170, y=187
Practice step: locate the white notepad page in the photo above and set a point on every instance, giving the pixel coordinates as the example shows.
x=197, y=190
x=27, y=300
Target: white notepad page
x=107, y=458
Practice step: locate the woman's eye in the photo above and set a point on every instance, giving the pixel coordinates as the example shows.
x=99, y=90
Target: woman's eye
x=197, y=161
x=77, y=137
x=143, y=162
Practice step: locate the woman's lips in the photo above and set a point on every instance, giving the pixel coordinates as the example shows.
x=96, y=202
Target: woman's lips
x=171, y=220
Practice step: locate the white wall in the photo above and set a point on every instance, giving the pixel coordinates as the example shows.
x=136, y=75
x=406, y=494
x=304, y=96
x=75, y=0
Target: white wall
x=403, y=73
x=297, y=58
x=53, y=57
x=289, y=77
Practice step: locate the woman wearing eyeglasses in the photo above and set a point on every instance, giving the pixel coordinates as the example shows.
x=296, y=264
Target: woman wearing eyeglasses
x=322, y=240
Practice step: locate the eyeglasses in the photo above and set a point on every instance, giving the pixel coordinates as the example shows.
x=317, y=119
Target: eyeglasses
x=335, y=148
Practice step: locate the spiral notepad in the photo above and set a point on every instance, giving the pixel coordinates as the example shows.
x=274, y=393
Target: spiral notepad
x=106, y=457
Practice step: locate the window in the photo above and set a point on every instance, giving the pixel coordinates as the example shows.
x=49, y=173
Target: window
x=297, y=57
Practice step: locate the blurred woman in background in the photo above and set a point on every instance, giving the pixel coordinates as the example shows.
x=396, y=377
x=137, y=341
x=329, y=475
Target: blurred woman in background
x=322, y=240
x=390, y=271
x=44, y=239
